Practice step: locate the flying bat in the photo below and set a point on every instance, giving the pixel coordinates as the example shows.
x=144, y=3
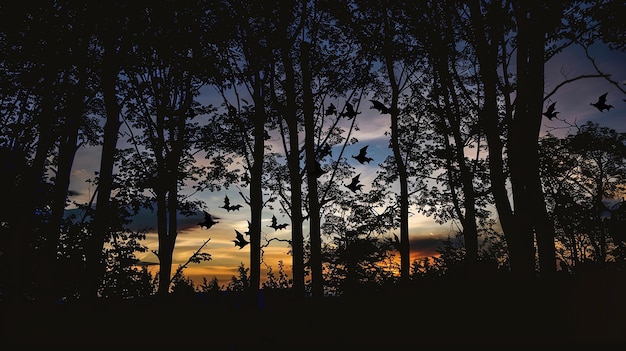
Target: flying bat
x=354, y=185
x=380, y=107
x=240, y=240
x=226, y=203
x=324, y=151
x=601, y=103
x=331, y=110
x=361, y=157
x=234, y=207
x=550, y=113
x=318, y=171
x=277, y=226
x=228, y=207
x=349, y=112
x=208, y=220
x=248, y=232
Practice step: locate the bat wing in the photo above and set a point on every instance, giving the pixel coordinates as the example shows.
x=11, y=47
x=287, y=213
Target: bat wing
x=240, y=237
x=363, y=151
x=602, y=98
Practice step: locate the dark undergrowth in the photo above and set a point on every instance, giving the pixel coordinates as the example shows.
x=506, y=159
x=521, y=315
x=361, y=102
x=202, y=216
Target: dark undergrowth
x=566, y=312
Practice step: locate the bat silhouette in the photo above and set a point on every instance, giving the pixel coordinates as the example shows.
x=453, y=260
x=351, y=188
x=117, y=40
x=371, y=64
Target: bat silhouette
x=277, y=226
x=361, y=157
x=601, y=103
x=550, y=113
x=354, y=185
x=380, y=107
x=248, y=232
x=331, y=110
x=208, y=221
x=318, y=171
x=240, y=240
x=226, y=203
x=235, y=207
x=228, y=207
x=324, y=151
x=349, y=112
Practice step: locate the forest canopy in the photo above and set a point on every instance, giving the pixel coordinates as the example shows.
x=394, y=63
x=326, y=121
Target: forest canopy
x=265, y=98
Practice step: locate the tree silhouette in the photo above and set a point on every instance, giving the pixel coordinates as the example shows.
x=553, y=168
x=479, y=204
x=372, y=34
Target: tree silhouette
x=113, y=62
x=252, y=67
x=165, y=86
x=463, y=140
x=582, y=173
x=457, y=126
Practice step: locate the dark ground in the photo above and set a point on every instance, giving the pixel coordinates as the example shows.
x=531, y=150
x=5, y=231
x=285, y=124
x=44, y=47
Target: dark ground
x=565, y=313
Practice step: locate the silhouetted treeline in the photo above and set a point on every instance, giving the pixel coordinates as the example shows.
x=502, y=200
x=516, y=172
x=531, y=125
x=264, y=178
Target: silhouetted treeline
x=267, y=97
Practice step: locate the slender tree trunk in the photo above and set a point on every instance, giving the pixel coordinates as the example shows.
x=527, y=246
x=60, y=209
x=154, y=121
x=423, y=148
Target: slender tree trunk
x=256, y=187
x=49, y=273
x=530, y=210
x=466, y=212
x=403, y=177
x=315, y=237
x=487, y=54
x=405, y=250
x=293, y=163
x=169, y=164
x=172, y=225
x=104, y=211
x=21, y=242
x=164, y=252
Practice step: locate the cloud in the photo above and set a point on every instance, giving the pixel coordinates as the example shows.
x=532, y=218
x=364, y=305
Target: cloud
x=425, y=246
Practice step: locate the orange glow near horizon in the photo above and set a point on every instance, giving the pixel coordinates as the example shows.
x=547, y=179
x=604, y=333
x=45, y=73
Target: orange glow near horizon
x=226, y=257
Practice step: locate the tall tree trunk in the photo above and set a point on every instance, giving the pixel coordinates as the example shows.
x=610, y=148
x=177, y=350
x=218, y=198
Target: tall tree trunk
x=49, y=274
x=487, y=54
x=315, y=237
x=256, y=186
x=468, y=216
x=403, y=177
x=21, y=243
x=466, y=212
x=104, y=211
x=172, y=224
x=169, y=164
x=164, y=251
x=530, y=209
x=293, y=163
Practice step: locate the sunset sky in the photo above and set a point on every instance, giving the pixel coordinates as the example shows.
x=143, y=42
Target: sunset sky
x=573, y=104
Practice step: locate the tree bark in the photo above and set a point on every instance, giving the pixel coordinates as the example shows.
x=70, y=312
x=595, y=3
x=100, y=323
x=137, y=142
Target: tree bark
x=103, y=211
x=403, y=177
x=487, y=54
x=293, y=164
x=315, y=235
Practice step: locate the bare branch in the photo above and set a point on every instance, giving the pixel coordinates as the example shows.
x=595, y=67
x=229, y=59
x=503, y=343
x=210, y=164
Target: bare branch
x=567, y=81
